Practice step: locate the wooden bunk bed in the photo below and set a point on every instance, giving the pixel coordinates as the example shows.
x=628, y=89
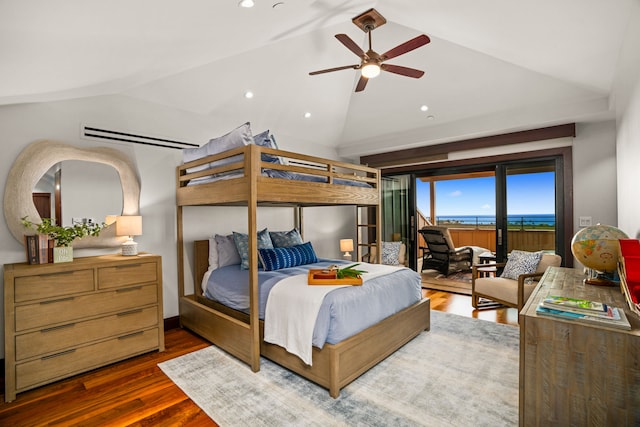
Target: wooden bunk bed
x=336, y=365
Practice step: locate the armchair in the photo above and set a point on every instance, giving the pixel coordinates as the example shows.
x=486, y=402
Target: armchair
x=442, y=255
x=506, y=291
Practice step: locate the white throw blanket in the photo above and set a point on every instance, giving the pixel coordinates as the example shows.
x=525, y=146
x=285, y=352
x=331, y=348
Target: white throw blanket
x=293, y=306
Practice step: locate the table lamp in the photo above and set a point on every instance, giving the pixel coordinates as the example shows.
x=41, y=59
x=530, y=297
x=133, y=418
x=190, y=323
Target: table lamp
x=129, y=225
x=346, y=246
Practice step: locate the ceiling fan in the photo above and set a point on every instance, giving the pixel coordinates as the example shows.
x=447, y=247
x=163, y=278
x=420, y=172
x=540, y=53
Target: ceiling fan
x=371, y=63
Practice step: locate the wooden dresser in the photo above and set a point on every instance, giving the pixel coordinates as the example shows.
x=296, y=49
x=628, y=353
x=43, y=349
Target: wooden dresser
x=63, y=319
x=577, y=374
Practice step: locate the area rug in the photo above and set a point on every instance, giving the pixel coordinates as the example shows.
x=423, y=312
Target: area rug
x=463, y=372
x=459, y=283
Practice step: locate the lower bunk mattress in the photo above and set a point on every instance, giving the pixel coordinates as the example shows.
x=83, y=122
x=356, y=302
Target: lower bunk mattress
x=344, y=312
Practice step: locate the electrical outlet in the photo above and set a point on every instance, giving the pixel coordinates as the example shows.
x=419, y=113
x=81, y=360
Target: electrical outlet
x=585, y=221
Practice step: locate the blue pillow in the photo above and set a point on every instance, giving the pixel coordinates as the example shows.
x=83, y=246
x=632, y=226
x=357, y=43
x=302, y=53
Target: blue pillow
x=242, y=244
x=286, y=239
x=278, y=258
x=227, y=251
x=239, y=137
x=263, y=139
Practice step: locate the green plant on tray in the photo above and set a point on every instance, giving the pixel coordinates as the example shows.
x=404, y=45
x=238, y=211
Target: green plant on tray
x=349, y=272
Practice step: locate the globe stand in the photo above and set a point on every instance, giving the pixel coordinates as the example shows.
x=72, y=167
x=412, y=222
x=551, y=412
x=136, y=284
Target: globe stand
x=597, y=278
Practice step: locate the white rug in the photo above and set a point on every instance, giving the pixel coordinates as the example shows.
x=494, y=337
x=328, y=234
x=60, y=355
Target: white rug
x=464, y=372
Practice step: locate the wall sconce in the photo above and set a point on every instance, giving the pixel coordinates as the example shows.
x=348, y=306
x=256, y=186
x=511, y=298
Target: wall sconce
x=346, y=246
x=130, y=225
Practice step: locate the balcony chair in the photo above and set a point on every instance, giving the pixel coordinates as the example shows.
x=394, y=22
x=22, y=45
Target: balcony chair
x=442, y=255
x=514, y=286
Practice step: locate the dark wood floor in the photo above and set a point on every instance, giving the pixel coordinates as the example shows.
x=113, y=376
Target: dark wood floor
x=136, y=392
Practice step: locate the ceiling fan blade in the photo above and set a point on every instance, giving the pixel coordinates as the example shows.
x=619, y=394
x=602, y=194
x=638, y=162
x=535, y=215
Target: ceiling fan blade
x=403, y=71
x=405, y=47
x=350, y=44
x=328, y=70
x=361, y=84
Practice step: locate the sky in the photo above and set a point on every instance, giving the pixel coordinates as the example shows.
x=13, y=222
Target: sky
x=527, y=194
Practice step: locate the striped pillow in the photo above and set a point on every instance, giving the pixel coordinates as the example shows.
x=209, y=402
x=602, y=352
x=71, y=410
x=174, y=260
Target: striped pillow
x=293, y=256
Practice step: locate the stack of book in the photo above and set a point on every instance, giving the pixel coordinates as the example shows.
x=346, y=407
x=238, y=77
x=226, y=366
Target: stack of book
x=584, y=311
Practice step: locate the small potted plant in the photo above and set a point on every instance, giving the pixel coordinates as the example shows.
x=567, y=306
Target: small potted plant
x=63, y=236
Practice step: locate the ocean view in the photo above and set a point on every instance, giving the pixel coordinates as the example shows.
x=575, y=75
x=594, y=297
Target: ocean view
x=537, y=220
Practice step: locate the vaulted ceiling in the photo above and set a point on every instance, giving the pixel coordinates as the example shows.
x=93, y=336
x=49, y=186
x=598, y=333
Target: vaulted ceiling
x=492, y=65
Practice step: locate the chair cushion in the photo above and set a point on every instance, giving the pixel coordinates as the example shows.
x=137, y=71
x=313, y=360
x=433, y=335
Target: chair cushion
x=548, y=260
x=445, y=234
x=521, y=262
x=502, y=289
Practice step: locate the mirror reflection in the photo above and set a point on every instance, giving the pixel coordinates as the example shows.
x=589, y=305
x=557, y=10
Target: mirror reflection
x=75, y=191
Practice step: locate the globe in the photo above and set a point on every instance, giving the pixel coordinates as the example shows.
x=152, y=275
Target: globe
x=597, y=247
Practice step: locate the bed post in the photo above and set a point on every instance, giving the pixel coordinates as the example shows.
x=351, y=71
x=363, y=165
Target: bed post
x=252, y=161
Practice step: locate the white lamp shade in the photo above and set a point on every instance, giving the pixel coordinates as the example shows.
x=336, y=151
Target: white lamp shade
x=129, y=225
x=346, y=245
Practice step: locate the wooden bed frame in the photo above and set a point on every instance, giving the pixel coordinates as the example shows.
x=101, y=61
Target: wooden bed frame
x=336, y=365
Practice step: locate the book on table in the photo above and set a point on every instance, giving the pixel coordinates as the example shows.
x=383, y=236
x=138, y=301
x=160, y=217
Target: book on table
x=615, y=317
x=575, y=305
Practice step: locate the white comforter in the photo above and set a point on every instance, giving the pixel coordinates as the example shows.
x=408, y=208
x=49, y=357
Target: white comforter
x=292, y=309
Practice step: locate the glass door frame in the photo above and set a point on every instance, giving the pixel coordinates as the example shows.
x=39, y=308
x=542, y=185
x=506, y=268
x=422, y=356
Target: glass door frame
x=563, y=191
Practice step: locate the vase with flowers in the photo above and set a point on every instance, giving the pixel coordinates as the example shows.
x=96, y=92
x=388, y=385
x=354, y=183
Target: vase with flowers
x=62, y=237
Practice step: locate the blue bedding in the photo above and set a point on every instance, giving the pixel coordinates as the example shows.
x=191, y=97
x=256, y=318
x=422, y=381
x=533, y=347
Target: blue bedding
x=344, y=311
x=274, y=173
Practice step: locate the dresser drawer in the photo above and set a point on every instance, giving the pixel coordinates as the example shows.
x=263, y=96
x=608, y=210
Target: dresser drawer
x=56, y=339
x=67, y=309
x=81, y=359
x=52, y=285
x=126, y=274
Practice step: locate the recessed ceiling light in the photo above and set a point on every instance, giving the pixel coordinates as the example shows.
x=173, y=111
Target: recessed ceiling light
x=248, y=94
x=424, y=108
x=430, y=117
x=246, y=3
x=307, y=115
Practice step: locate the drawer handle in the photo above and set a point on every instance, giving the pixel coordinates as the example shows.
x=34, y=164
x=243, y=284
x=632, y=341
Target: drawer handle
x=61, y=273
x=73, y=350
x=135, y=288
x=53, y=301
x=55, y=328
x=126, y=313
x=128, y=266
x=124, y=337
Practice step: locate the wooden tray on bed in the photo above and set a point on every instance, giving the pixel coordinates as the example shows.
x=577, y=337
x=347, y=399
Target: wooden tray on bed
x=328, y=278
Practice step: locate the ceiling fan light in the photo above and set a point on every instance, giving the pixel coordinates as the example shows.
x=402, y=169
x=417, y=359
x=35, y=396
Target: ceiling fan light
x=370, y=71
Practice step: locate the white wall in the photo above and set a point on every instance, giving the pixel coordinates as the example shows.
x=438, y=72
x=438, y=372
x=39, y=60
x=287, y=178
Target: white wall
x=23, y=124
x=594, y=174
x=627, y=102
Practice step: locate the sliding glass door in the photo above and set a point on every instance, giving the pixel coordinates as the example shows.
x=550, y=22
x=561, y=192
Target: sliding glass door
x=527, y=207
x=398, y=207
x=500, y=207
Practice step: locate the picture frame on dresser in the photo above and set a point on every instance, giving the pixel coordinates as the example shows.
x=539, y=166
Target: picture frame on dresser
x=64, y=319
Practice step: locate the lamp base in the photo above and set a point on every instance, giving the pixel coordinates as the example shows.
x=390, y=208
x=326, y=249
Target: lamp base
x=129, y=248
x=347, y=256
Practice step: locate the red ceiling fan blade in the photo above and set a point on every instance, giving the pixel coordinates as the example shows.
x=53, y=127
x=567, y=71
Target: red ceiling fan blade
x=403, y=71
x=361, y=84
x=328, y=70
x=405, y=47
x=350, y=44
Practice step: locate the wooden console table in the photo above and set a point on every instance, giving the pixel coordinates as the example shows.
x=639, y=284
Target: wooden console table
x=577, y=374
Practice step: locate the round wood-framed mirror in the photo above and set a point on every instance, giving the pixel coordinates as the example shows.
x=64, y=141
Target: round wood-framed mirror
x=37, y=158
